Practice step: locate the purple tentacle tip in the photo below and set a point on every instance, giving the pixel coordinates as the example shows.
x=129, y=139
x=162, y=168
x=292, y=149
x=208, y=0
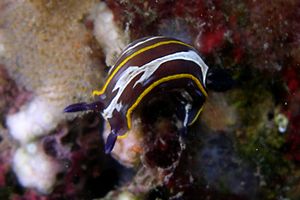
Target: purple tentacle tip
x=110, y=142
x=96, y=106
x=76, y=107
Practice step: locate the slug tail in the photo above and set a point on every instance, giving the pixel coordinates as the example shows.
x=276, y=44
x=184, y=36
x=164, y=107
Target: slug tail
x=77, y=107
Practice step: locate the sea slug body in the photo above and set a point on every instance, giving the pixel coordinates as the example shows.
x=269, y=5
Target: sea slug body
x=147, y=68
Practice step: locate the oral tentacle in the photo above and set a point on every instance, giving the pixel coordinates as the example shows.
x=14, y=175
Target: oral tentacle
x=78, y=107
x=110, y=142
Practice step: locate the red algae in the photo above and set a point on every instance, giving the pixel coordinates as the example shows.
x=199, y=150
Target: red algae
x=210, y=41
x=292, y=110
x=269, y=37
x=30, y=195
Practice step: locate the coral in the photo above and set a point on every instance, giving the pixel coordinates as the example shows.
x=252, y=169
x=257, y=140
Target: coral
x=31, y=123
x=36, y=59
x=34, y=168
x=103, y=23
x=45, y=51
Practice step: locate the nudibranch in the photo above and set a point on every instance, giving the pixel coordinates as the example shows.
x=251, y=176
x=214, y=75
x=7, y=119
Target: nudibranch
x=146, y=68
